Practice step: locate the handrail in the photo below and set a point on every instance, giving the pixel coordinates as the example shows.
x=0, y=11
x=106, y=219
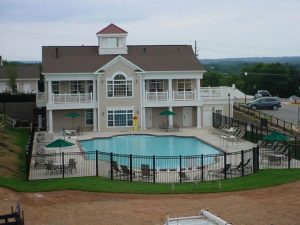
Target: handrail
x=286, y=126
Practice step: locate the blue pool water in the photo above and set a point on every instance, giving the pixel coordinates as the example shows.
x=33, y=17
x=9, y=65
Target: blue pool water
x=147, y=145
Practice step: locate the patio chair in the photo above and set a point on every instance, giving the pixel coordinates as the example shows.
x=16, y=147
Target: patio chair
x=221, y=171
x=145, y=172
x=71, y=166
x=184, y=176
x=239, y=167
x=115, y=169
x=126, y=171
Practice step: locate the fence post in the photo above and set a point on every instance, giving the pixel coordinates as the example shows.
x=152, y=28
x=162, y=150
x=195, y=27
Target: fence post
x=289, y=157
x=180, y=168
x=242, y=161
x=111, y=166
x=97, y=163
x=202, y=168
x=225, y=161
x=63, y=164
x=295, y=149
x=153, y=169
x=213, y=120
x=276, y=121
x=252, y=135
x=261, y=135
x=284, y=126
x=130, y=166
x=291, y=128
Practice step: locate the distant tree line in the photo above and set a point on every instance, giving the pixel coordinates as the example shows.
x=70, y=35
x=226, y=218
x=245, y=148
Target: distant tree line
x=281, y=80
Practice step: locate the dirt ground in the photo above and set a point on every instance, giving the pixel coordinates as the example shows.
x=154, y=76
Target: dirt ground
x=278, y=205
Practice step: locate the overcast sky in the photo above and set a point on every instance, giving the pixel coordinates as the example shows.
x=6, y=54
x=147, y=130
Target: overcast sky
x=222, y=29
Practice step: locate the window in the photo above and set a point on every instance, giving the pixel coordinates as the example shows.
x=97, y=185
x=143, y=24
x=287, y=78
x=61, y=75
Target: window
x=112, y=42
x=77, y=86
x=89, y=120
x=119, y=87
x=219, y=111
x=184, y=85
x=89, y=85
x=119, y=118
x=55, y=87
x=156, y=85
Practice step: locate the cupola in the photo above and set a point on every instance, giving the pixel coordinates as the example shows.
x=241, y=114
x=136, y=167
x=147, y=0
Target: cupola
x=112, y=40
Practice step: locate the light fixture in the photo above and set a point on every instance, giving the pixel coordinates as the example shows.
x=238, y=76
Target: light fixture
x=103, y=113
x=137, y=112
x=136, y=81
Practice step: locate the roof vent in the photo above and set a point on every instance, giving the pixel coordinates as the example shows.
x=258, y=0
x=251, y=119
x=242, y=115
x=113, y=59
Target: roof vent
x=56, y=52
x=144, y=49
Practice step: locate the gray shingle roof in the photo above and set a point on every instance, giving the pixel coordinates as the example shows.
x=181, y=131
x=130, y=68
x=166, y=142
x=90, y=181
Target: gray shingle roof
x=85, y=59
x=23, y=72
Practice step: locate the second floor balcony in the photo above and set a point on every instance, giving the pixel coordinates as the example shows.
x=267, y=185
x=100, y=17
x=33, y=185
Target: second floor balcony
x=72, y=98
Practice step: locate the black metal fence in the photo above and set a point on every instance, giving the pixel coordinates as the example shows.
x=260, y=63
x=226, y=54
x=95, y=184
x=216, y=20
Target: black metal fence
x=29, y=149
x=282, y=155
x=272, y=121
x=155, y=169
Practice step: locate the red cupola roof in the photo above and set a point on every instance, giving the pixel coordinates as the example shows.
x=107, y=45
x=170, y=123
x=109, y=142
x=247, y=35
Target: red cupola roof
x=112, y=29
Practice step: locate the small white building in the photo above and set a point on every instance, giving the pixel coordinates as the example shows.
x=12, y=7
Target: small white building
x=27, y=77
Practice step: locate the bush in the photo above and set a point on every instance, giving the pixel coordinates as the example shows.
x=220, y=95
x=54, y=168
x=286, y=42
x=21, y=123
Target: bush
x=19, y=97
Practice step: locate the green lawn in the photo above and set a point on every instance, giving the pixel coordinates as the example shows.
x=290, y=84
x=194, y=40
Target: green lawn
x=264, y=178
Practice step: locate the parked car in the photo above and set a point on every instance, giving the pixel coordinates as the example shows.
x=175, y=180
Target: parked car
x=265, y=103
x=262, y=93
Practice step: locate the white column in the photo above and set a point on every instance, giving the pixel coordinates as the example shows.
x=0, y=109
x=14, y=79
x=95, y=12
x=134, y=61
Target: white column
x=143, y=118
x=94, y=91
x=170, y=118
x=143, y=88
x=50, y=121
x=198, y=116
x=95, y=120
x=98, y=93
x=197, y=89
x=49, y=91
x=170, y=89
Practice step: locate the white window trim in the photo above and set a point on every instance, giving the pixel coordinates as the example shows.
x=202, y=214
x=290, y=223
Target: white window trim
x=219, y=108
x=127, y=78
x=184, y=84
x=119, y=108
x=59, y=86
x=88, y=125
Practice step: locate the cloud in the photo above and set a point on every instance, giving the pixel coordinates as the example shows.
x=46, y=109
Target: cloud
x=222, y=28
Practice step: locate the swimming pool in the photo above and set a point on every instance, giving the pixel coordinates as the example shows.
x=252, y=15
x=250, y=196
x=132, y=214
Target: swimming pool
x=166, y=150
x=148, y=145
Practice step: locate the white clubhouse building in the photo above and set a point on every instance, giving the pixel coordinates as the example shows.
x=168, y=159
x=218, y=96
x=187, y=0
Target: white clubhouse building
x=111, y=84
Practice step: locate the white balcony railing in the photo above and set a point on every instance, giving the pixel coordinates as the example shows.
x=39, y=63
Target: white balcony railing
x=215, y=92
x=72, y=98
x=156, y=96
x=184, y=95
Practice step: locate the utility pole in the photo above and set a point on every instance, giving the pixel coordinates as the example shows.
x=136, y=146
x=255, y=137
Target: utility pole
x=195, y=48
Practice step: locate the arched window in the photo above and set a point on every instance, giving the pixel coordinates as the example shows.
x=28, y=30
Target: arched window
x=119, y=87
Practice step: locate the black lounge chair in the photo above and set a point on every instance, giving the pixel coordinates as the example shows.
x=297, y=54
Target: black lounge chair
x=126, y=171
x=239, y=167
x=221, y=171
x=146, y=172
x=184, y=176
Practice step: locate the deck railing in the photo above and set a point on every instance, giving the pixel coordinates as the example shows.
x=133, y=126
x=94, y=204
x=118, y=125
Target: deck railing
x=184, y=95
x=72, y=98
x=157, y=96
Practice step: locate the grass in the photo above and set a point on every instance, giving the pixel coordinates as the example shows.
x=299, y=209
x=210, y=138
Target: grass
x=264, y=178
x=12, y=152
x=18, y=138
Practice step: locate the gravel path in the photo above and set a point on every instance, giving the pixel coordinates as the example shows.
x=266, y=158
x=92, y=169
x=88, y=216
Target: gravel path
x=278, y=205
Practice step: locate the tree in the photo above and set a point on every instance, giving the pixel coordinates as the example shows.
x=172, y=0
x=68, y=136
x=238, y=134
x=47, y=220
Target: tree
x=11, y=74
